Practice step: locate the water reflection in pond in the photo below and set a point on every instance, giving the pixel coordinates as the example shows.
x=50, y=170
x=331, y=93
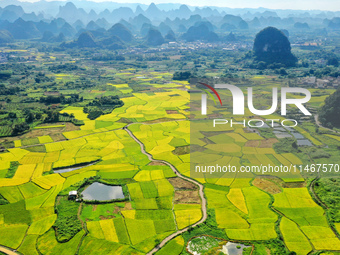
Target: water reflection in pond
x=69, y=169
x=304, y=142
x=233, y=248
x=102, y=192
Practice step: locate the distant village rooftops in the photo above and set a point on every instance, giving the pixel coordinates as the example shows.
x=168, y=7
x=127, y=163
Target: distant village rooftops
x=321, y=83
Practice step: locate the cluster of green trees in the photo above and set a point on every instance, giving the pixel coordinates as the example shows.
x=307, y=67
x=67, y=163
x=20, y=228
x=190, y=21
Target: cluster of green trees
x=182, y=76
x=68, y=67
x=61, y=99
x=329, y=114
x=5, y=91
x=101, y=106
x=67, y=224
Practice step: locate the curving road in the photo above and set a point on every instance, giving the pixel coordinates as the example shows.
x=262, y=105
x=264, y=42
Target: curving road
x=201, y=192
x=316, y=117
x=8, y=251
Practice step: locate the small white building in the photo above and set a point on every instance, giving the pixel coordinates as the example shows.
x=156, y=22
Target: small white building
x=72, y=195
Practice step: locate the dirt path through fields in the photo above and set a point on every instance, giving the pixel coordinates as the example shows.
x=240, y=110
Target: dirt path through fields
x=316, y=117
x=201, y=193
x=7, y=251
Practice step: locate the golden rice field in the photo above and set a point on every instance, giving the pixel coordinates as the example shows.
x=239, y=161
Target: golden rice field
x=159, y=120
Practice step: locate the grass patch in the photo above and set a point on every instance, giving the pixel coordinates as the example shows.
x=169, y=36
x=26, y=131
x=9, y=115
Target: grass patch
x=67, y=224
x=12, y=169
x=30, y=141
x=15, y=213
x=38, y=148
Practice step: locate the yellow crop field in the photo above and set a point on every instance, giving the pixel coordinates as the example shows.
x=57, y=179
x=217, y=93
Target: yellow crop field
x=224, y=147
x=41, y=226
x=25, y=172
x=48, y=181
x=185, y=218
x=157, y=174
x=45, y=139
x=322, y=238
x=109, y=230
x=237, y=198
x=228, y=219
x=51, y=157
x=292, y=158
x=294, y=239
x=50, y=147
x=143, y=175
x=94, y=227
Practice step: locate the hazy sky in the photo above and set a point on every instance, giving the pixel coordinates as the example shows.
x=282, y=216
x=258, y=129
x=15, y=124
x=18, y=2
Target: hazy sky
x=332, y=5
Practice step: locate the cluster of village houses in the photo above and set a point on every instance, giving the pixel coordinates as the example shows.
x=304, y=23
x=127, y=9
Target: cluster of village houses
x=325, y=82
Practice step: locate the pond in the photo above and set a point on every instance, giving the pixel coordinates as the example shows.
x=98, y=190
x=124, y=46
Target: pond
x=69, y=169
x=102, y=192
x=280, y=134
x=201, y=245
x=298, y=136
x=304, y=142
x=234, y=248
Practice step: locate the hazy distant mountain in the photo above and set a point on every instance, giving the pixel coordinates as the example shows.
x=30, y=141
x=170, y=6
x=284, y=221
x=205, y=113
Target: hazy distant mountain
x=92, y=15
x=86, y=39
x=194, y=19
x=170, y=36
x=121, y=32
x=138, y=21
x=103, y=23
x=92, y=26
x=78, y=25
x=145, y=29
x=255, y=22
x=5, y=37
x=231, y=19
x=300, y=25
x=183, y=12
x=243, y=25
x=228, y=27
x=154, y=37
x=139, y=10
x=87, y=8
x=48, y=36
x=230, y=38
x=113, y=43
x=26, y=20
x=32, y=17
x=153, y=12
x=60, y=38
x=127, y=25
x=71, y=13
x=200, y=32
x=206, y=23
x=121, y=13
x=181, y=28
x=21, y=29
x=334, y=24
x=68, y=30
x=11, y=13
x=164, y=28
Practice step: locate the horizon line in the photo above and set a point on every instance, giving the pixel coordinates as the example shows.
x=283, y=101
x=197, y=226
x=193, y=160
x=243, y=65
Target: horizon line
x=200, y=6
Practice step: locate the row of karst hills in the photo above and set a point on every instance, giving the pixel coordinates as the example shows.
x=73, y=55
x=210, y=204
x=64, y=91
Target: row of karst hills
x=116, y=29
